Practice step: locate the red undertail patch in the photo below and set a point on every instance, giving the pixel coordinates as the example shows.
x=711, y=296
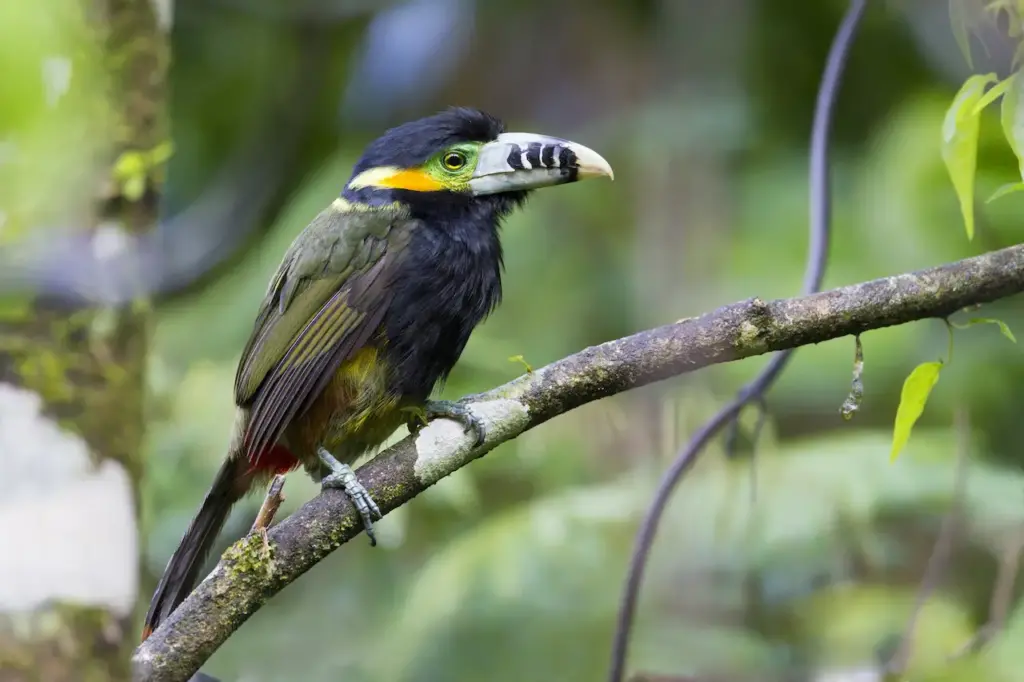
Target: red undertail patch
x=276, y=459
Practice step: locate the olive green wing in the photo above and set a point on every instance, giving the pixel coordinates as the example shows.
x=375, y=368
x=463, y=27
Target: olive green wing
x=325, y=303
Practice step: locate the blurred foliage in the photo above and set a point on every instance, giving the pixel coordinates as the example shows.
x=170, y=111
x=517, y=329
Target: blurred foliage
x=52, y=106
x=511, y=569
x=808, y=557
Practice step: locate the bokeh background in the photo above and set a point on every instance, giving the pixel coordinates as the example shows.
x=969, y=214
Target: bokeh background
x=801, y=564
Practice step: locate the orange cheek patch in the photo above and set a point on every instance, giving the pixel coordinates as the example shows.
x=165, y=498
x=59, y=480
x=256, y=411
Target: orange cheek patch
x=413, y=180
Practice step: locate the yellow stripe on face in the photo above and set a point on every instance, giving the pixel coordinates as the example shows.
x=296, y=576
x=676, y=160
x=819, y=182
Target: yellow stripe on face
x=412, y=179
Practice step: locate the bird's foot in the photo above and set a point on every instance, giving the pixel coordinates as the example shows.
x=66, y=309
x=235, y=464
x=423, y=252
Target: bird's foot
x=343, y=478
x=448, y=409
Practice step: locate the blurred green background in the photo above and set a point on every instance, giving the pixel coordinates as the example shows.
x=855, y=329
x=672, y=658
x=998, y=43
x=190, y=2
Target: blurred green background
x=799, y=565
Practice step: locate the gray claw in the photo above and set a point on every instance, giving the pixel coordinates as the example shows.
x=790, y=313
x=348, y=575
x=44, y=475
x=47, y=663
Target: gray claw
x=343, y=478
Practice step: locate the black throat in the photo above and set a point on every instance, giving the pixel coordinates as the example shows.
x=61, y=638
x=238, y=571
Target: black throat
x=449, y=281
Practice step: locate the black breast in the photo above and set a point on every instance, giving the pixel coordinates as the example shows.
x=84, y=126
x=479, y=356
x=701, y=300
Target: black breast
x=448, y=282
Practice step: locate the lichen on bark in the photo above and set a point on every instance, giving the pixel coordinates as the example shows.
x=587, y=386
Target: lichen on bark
x=89, y=377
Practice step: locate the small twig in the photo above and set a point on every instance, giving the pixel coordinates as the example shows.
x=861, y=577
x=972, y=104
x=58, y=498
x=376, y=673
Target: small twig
x=271, y=503
x=938, y=562
x=853, y=400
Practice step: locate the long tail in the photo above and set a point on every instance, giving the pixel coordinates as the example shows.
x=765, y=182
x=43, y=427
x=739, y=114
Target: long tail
x=232, y=482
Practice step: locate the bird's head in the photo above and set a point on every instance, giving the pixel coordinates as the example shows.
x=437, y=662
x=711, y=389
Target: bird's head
x=463, y=158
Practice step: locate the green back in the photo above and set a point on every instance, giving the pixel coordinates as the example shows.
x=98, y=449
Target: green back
x=325, y=302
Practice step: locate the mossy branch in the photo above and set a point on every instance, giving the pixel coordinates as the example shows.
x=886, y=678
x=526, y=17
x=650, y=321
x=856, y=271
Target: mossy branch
x=243, y=580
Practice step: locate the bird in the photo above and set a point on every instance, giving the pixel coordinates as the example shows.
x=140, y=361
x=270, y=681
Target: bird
x=369, y=311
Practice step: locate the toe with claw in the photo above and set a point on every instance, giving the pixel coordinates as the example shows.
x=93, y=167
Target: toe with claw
x=343, y=478
x=458, y=412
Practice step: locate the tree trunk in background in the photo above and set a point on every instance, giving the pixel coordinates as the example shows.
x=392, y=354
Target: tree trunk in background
x=71, y=420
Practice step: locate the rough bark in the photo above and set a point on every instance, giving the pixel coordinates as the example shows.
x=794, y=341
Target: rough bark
x=251, y=572
x=71, y=416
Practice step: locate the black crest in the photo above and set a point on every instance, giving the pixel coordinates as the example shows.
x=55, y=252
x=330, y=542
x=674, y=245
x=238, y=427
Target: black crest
x=411, y=144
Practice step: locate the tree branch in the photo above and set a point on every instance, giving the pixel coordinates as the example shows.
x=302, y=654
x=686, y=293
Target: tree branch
x=249, y=573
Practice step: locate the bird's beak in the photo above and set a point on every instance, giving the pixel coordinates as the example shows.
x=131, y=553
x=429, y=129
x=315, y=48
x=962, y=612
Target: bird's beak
x=519, y=161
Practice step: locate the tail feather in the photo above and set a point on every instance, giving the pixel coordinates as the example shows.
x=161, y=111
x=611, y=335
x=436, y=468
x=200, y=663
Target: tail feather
x=232, y=482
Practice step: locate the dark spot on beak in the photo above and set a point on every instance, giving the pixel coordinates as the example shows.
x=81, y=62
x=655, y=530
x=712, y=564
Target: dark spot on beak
x=568, y=163
x=533, y=154
x=514, y=159
x=548, y=156
x=566, y=158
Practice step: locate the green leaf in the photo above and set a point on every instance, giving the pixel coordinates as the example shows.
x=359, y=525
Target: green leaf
x=916, y=389
x=1011, y=116
x=1009, y=188
x=522, y=361
x=993, y=94
x=960, y=143
x=1004, y=329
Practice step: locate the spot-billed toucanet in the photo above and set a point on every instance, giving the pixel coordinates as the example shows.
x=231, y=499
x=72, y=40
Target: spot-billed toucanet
x=370, y=308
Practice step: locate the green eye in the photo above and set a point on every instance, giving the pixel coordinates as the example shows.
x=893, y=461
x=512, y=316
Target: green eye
x=453, y=160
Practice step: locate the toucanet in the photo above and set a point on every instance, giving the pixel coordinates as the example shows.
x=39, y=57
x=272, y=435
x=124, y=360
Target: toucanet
x=370, y=309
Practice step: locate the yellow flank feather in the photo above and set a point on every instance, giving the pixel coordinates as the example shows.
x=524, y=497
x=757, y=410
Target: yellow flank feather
x=359, y=369
x=354, y=414
x=374, y=407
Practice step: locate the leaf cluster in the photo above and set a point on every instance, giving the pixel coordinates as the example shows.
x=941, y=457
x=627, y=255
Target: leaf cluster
x=960, y=130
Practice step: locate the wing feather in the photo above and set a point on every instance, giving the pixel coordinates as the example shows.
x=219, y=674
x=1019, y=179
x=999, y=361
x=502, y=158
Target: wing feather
x=342, y=326
x=319, y=311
